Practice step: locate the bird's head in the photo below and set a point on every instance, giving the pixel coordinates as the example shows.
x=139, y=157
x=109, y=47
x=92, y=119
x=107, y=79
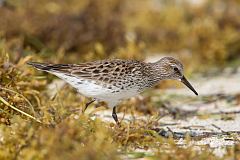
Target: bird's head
x=170, y=68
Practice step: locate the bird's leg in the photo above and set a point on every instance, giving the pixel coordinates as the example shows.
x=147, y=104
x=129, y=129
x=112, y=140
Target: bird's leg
x=114, y=115
x=87, y=104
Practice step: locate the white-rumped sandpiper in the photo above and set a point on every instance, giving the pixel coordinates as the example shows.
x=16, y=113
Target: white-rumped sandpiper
x=114, y=80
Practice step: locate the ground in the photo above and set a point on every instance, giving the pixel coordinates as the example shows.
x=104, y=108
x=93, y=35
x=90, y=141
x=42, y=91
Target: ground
x=41, y=117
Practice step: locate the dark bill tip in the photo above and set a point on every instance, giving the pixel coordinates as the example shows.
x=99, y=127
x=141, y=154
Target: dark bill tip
x=185, y=81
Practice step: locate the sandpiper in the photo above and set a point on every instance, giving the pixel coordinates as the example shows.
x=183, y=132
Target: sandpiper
x=114, y=80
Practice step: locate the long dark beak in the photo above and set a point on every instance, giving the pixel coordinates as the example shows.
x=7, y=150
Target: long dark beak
x=185, y=81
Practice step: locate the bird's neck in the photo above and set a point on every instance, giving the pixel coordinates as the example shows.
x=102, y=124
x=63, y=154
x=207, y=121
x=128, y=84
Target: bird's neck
x=155, y=73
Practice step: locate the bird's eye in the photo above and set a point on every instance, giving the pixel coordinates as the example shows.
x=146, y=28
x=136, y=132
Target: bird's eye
x=175, y=69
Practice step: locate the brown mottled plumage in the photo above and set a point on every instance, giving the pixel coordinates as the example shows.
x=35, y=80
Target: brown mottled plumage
x=115, y=80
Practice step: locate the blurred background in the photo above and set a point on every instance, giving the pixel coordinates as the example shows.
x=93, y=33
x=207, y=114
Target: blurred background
x=203, y=34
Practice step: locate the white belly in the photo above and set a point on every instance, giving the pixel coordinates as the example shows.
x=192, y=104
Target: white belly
x=89, y=89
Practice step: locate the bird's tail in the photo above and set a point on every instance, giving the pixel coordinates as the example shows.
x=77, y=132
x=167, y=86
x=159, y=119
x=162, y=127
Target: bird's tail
x=63, y=68
x=40, y=66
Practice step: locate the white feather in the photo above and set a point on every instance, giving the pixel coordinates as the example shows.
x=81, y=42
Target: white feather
x=89, y=89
